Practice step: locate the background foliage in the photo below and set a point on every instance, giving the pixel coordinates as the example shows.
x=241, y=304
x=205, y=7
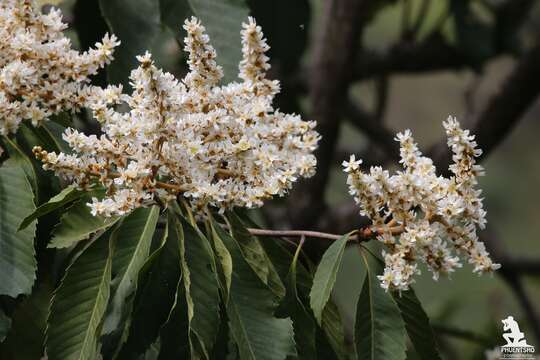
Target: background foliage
x=157, y=285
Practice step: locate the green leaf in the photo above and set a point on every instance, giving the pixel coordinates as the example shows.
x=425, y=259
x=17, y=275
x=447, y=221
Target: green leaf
x=174, y=334
x=250, y=309
x=55, y=132
x=286, y=26
x=132, y=249
x=17, y=254
x=66, y=196
x=155, y=296
x=277, y=253
x=29, y=320
x=379, y=329
x=475, y=36
x=223, y=21
x=47, y=183
x=78, y=223
x=303, y=322
x=225, y=261
x=136, y=23
x=201, y=287
x=173, y=14
x=79, y=303
x=325, y=276
x=416, y=321
x=5, y=325
x=332, y=327
x=256, y=256
x=18, y=156
x=417, y=325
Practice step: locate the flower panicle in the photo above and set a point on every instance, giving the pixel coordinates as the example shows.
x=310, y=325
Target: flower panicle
x=221, y=146
x=437, y=217
x=40, y=74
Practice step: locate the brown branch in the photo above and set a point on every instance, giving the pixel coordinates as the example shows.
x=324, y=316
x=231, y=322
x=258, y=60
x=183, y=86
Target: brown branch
x=361, y=235
x=329, y=75
x=162, y=185
x=432, y=54
x=504, y=110
x=372, y=128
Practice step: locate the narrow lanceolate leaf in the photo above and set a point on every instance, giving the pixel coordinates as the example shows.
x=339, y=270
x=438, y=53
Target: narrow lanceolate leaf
x=79, y=304
x=17, y=254
x=325, y=276
x=416, y=321
x=201, y=288
x=132, y=249
x=137, y=28
x=256, y=256
x=225, y=265
x=174, y=335
x=26, y=337
x=223, y=19
x=379, y=329
x=155, y=297
x=78, y=223
x=417, y=325
x=5, y=325
x=303, y=322
x=256, y=331
x=333, y=329
x=64, y=197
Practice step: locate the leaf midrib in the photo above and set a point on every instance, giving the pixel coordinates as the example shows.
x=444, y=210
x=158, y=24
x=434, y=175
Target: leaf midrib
x=94, y=308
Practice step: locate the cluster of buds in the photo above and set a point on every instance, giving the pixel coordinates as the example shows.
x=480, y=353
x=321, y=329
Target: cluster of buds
x=40, y=75
x=421, y=216
x=220, y=146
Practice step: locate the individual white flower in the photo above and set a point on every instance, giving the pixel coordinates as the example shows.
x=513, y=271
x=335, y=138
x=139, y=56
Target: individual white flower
x=352, y=164
x=220, y=146
x=40, y=75
x=422, y=216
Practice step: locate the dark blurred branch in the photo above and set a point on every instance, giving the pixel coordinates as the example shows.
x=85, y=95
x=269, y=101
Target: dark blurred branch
x=406, y=11
x=333, y=57
x=432, y=54
x=509, y=16
x=516, y=283
x=511, y=271
x=504, y=110
x=382, y=84
x=373, y=129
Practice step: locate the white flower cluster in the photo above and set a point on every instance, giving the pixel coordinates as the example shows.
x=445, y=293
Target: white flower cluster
x=40, y=75
x=421, y=216
x=222, y=146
